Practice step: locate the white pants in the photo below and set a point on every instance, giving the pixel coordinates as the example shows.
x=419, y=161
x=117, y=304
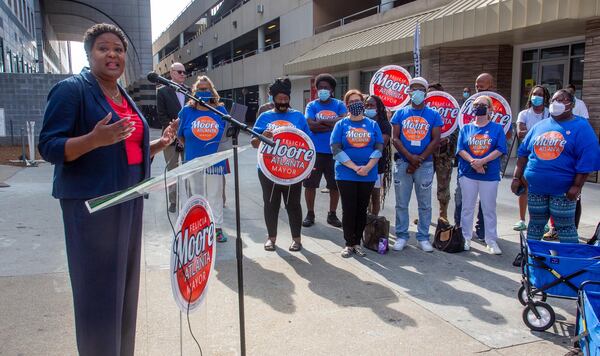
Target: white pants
x=209, y=186
x=487, y=192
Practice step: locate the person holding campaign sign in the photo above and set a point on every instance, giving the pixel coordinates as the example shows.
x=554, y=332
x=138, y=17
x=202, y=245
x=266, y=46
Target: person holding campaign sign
x=281, y=116
x=357, y=145
x=537, y=110
x=201, y=131
x=480, y=146
x=555, y=159
x=321, y=115
x=416, y=135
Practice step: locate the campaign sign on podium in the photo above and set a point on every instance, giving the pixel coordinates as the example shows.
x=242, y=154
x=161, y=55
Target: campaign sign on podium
x=193, y=253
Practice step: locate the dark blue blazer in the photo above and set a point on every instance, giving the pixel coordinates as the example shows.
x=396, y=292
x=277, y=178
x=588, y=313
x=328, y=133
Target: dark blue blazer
x=74, y=107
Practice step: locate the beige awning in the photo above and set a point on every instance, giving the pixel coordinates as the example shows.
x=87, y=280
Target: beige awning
x=375, y=42
x=459, y=20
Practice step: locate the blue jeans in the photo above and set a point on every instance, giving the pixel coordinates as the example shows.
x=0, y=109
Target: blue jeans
x=422, y=180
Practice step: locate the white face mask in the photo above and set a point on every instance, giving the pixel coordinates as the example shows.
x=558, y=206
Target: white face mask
x=557, y=108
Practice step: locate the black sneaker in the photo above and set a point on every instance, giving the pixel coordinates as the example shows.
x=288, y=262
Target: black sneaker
x=309, y=220
x=333, y=220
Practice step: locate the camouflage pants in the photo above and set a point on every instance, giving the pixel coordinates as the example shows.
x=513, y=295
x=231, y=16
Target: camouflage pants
x=443, y=164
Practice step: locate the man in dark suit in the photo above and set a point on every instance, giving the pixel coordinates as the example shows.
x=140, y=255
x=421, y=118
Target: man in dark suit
x=168, y=104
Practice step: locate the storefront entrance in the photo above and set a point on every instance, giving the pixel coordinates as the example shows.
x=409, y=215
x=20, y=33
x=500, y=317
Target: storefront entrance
x=553, y=67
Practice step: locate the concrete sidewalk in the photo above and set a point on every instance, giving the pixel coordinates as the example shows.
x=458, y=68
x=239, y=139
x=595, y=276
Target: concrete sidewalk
x=309, y=303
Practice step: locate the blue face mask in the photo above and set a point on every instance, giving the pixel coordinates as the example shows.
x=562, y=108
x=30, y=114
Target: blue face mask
x=204, y=95
x=537, y=100
x=270, y=99
x=323, y=94
x=370, y=113
x=417, y=97
x=466, y=94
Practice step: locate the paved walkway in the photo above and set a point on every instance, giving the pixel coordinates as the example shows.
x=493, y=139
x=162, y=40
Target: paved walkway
x=308, y=303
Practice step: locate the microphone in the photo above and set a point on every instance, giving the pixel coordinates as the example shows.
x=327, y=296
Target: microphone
x=155, y=78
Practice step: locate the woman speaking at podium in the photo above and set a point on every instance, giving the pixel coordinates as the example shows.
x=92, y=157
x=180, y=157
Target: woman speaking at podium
x=98, y=141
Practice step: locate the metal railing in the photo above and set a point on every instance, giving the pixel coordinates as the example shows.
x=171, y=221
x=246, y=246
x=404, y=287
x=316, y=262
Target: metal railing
x=351, y=18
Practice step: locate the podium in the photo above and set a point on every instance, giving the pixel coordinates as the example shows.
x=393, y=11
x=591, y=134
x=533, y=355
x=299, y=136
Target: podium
x=188, y=179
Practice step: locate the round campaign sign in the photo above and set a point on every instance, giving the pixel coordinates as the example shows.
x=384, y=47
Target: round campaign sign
x=292, y=158
x=193, y=253
x=390, y=83
x=448, y=108
x=501, y=113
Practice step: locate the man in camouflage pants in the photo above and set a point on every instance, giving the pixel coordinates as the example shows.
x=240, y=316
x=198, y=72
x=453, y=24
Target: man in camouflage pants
x=443, y=162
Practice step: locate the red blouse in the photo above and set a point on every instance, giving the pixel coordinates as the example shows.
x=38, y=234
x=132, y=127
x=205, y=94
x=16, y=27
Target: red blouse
x=133, y=144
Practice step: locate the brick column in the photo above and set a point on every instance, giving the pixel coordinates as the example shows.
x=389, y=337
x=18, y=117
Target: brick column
x=591, y=76
x=591, y=72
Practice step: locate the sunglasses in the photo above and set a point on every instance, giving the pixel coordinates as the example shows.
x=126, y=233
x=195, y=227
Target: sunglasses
x=181, y=72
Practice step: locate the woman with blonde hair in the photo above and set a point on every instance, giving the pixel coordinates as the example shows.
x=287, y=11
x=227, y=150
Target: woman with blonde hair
x=480, y=146
x=200, y=132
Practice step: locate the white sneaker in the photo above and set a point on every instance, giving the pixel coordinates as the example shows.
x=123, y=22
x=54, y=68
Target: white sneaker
x=399, y=245
x=425, y=245
x=493, y=248
x=467, y=245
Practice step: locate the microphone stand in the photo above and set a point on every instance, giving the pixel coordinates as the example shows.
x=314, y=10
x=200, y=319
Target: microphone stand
x=233, y=132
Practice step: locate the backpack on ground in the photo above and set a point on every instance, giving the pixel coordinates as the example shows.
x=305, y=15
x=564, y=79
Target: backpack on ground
x=377, y=231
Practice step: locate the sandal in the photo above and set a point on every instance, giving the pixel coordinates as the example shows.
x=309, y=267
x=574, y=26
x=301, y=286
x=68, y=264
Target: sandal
x=296, y=245
x=270, y=244
x=347, y=251
x=359, y=251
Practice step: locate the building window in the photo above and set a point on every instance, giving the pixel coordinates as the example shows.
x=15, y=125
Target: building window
x=341, y=87
x=552, y=67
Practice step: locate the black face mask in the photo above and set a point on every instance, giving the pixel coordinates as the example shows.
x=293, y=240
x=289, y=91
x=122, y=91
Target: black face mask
x=282, y=106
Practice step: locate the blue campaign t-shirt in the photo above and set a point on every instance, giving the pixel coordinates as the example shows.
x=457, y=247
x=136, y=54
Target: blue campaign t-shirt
x=479, y=142
x=318, y=110
x=358, y=139
x=270, y=120
x=202, y=131
x=557, y=151
x=415, y=128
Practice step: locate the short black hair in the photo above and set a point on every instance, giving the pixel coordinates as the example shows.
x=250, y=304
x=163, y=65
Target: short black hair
x=435, y=86
x=92, y=33
x=327, y=78
x=571, y=86
x=567, y=93
x=281, y=86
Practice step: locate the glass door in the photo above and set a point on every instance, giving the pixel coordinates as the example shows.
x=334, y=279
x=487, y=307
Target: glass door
x=553, y=75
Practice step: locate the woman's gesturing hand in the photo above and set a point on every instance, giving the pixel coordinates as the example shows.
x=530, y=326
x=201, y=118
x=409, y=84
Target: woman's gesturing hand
x=105, y=134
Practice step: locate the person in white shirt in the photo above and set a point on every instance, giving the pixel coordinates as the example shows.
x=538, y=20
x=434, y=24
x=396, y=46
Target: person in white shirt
x=580, y=109
x=537, y=110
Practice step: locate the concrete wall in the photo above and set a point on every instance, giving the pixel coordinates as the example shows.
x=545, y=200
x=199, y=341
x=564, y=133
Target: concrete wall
x=24, y=99
x=296, y=24
x=247, y=18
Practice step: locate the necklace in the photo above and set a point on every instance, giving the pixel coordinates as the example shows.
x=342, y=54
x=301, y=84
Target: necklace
x=115, y=97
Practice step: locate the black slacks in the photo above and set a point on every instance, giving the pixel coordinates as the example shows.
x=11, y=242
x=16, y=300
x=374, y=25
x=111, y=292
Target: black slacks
x=355, y=200
x=103, y=253
x=272, y=194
